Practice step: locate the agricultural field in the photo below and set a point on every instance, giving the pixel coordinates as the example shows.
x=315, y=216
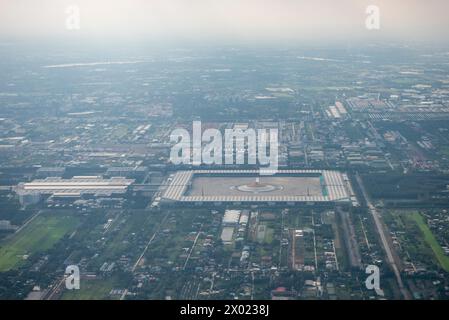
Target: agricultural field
x=94, y=289
x=39, y=235
x=416, y=243
x=430, y=239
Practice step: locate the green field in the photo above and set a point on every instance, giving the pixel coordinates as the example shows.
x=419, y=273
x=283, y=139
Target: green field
x=39, y=235
x=269, y=235
x=431, y=241
x=97, y=289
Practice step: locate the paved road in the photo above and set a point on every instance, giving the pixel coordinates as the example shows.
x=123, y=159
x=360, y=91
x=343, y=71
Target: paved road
x=380, y=229
x=28, y=221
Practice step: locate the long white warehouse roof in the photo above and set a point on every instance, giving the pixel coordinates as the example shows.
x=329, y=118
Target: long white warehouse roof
x=80, y=185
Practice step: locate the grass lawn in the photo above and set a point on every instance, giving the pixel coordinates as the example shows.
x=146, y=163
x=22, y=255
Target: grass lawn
x=269, y=234
x=96, y=289
x=431, y=241
x=40, y=235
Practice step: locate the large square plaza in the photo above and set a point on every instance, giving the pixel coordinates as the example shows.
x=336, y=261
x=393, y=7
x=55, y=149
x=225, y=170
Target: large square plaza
x=248, y=186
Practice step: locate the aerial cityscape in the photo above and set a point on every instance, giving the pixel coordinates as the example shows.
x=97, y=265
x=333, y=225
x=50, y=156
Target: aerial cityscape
x=224, y=172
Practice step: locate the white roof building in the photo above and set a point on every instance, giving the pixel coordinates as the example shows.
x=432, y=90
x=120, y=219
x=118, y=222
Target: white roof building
x=75, y=186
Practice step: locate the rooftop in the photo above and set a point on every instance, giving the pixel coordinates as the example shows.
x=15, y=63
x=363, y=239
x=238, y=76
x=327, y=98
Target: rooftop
x=75, y=185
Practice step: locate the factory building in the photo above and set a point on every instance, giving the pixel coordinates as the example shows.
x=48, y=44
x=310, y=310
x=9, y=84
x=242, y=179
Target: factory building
x=76, y=187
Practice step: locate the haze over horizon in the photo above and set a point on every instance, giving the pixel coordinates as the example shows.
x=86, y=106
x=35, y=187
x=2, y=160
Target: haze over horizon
x=235, y=20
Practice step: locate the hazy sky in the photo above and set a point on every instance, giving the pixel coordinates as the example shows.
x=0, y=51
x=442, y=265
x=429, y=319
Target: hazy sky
x=227, y=19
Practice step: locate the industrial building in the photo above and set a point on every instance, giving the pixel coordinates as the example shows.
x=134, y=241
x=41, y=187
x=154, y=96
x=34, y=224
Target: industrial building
x=31, y=192
x=128, y=172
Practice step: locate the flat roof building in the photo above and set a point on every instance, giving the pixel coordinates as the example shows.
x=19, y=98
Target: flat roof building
x=231, y=217
x=76, y=186
x=44, y=172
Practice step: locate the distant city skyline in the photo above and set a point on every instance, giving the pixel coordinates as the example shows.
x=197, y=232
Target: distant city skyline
x=235, y=20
